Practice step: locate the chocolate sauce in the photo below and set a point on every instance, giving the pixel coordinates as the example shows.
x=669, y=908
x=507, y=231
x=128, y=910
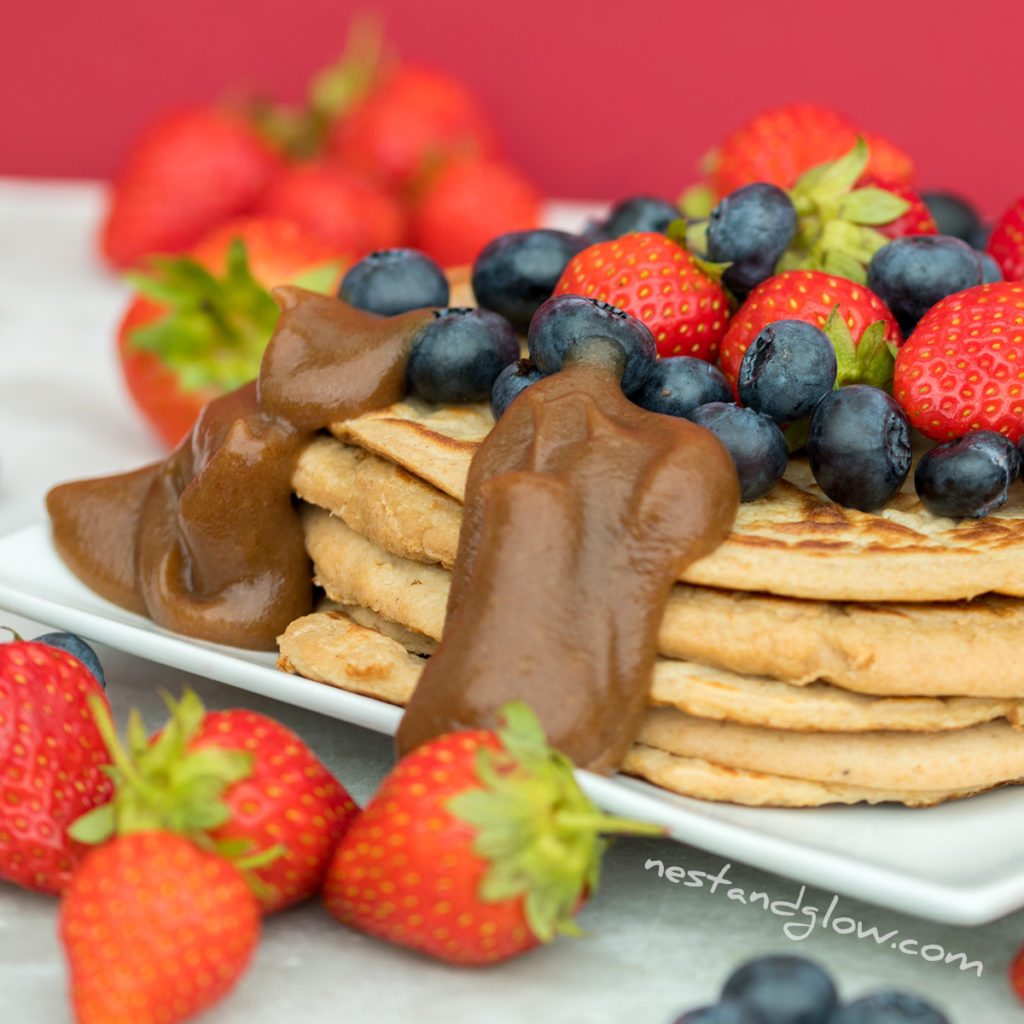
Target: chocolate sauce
x=208, y=542
x=581, y=511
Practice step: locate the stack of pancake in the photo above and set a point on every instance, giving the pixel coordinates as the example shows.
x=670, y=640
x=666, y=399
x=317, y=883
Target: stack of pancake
x=820, y=655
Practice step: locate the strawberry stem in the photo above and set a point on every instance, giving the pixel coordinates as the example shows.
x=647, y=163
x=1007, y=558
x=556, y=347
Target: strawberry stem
x=605, y=824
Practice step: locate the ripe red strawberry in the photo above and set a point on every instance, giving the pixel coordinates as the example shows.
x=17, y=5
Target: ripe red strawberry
x=410, y=122
x=290, y=800
x=962, y=368
x=235, y=781
x=660, y=283
x=190, y=169
x=199, y=324
x=478, y=846
x=350, y=213
x=778, y=145
x=863, y=330
x=1006, y=241
x=468, y=202
x=51, y=762
x=155, y=930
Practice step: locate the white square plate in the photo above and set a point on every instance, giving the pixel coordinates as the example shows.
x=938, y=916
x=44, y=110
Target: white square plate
x=960, y=863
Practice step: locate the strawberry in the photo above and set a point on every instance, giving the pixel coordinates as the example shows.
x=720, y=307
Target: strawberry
x=466, y=203
x=290, y=800
x=660, y=283
x=190, y=169
x=154, y=930
x=51, y=762
x=960, y=369
x=1006, y=241
x=780, y=144
x=233, y=781
x=861, y=327
x=198, y=325
x=350, y=213
x=478, y=846
x=417, y=117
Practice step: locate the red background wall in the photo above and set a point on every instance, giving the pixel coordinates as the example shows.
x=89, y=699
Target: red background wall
x=595, y=100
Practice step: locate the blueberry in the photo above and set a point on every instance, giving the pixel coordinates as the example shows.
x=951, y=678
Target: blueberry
x=911, y=274
x=393, y=281
x=639, y=213
x=756, y=444
x=516, y=272
x=458, y=355
x=514, y=378
x=889, y=1007
x=969, y=476
x=678, y=384
x=991, y=272
x=77, y=648
x=750, y=228
x=953, y=215
x=725, y=1012
x=787, y=369
x=858, y=446
x=564, y=321
x=783, y=990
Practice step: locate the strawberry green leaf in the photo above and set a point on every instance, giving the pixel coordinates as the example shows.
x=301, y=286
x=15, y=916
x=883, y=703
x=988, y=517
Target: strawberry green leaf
x=874, y=356
x=685, y=231
x=868, y=361
x=840, y=264
x=842, y=341
x=830, y=180
x=697, y=202
x=538, y=831
x=161, y=783
x=872, y=206
x=214, y=330
x=857, y=242
x=94, y=826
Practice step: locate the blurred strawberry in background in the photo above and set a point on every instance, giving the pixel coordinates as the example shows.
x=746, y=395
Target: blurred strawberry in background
x=779, y=144
x=188, y=171
x=351, y=213
x=412, y=120
x=465, y=203
x=357, y=164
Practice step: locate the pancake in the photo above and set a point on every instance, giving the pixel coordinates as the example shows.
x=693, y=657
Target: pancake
x=963, y=649
x=819, y=655
x=703, y=780
x=329, y=647
x=792, y=542
x=976, y=757
x=699, y=690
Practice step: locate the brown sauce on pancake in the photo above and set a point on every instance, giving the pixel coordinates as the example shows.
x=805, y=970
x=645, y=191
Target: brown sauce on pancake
x=208, y=542
x=581, y=511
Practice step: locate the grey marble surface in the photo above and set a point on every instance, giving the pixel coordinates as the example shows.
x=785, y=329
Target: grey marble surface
x=652, y=948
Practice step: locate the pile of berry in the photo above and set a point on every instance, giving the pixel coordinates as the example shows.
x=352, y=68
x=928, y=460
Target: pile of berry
x=793, y=990
x=805, y=299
